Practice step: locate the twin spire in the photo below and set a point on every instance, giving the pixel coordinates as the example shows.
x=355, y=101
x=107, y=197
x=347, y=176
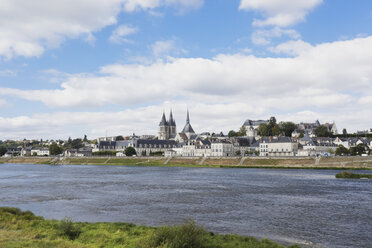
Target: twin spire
x=170, y=122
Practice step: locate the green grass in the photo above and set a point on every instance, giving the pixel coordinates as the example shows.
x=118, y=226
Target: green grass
x=351, y=175
x=24, y=229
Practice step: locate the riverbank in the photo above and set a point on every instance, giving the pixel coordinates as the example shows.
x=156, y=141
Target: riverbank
x=342, y=163
x=24, y=229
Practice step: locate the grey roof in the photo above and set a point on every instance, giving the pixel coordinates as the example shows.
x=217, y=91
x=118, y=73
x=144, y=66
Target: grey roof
x=172, y=121
x=188, y=128
x=254, y=122
x=163, y=121
x=155, y=142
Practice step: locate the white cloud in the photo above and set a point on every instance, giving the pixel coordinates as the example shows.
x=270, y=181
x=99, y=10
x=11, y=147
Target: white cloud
x=281, y=13
x=166, y=48
x=27, y=28
x=181, y=5
x=293, y=48
x=7, y=73
x=120, y=33
x=333, y=80
x=264, y=36
x=3, y=103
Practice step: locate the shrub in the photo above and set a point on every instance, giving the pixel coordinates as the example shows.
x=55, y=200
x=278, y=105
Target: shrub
x=14, y=211
x=188, y=235
x=67, y=228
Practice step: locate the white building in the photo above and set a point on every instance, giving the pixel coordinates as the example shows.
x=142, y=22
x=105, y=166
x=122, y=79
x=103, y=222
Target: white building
x=40, y=151
x=252, y=127
x=222, y=148
x=278, y=147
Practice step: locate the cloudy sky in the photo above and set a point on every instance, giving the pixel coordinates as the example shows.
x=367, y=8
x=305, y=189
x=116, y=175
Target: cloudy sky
x=69, y=68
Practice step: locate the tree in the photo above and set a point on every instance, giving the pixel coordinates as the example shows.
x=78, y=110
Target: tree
x=301, y=135
x=238, y=153
x=232, y=133
x=341, y=150
x=76, y=143
x=85, y=138
x=3, y=150
x=359, y=150
x=130, y=151
x=275, y=130
x=242, y=131
x=263, y=129
x=322, y=131
x=344, y=132
x=287, y=128
x=119, y=138
x=55, y=149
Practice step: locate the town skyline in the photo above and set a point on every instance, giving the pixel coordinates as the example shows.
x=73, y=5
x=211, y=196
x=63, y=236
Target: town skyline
x=116, y=65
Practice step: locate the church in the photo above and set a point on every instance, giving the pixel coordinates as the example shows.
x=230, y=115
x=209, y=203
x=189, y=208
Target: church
x=168, y=128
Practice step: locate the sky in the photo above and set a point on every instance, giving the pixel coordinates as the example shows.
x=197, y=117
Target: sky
x=70, y=68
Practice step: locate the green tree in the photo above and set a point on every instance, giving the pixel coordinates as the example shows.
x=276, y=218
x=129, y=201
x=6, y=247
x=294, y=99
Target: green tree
x=263, y=129
x=344, y=132
x=341, y=150
x=301, y=135
x=287, y=128
x=322, y=131
x=3, y=150
x=232, y=133
x=275, y=130
x=130, y=151
x=359, y=150
x=119, y=138
x=55, y=149
x=238, y=153
x=242, y=131
x=76, y=143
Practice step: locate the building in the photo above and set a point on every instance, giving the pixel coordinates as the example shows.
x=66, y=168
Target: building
x=278, y=147
x=309, y=128
x=252, y=127
x=222, y=148
x=40, y=151
x=187, y=129
x=143, y=147
x=167, y=129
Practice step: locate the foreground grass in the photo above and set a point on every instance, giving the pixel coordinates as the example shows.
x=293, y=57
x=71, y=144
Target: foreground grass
x=351, y=175
x=24, y=229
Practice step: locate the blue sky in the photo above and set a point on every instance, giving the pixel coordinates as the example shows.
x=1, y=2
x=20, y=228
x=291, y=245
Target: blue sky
x=69, y=69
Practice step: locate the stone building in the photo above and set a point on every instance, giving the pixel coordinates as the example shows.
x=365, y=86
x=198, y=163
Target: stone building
x=167, y=129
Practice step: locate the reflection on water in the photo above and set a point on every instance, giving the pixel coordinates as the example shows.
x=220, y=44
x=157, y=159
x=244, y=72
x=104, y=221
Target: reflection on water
x=285, y=205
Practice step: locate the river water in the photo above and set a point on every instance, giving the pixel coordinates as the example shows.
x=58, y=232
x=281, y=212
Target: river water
x=288, y=206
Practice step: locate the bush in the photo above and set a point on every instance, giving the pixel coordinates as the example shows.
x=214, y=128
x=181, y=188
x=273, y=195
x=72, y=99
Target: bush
x=67, y=228
x=345, y=174
x=14, y=211
x=130, y=151
x=104, y=153
x=188, y=235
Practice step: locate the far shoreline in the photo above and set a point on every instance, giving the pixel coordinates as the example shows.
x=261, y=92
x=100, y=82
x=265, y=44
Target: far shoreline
x=325, y=163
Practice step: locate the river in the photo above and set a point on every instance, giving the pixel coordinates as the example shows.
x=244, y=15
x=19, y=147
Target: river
x=288, y=206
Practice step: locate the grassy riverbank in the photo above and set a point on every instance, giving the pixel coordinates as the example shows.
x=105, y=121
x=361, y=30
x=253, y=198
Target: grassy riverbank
x=350, y=175
x=342, y=163
x=24, y=229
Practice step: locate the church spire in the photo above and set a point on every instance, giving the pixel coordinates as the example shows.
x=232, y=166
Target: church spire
x=163, y=121
x=188, y=128
x=172, y=122
x=188, y=117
